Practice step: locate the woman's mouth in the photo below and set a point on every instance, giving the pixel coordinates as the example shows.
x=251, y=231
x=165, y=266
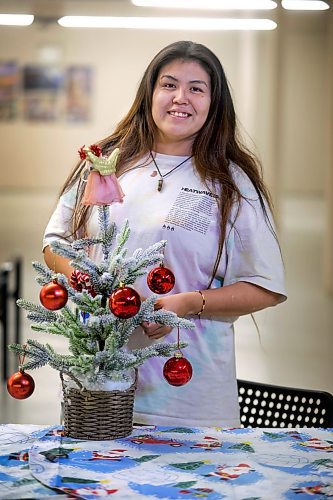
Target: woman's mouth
x=179, y=114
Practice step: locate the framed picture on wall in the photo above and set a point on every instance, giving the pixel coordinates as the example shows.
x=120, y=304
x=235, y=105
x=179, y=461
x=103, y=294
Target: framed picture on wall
x=42, y=87
x=78, y=93
x=9, y=80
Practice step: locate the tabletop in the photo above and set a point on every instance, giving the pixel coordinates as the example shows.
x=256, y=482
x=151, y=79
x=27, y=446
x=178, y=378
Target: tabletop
x=167, y=462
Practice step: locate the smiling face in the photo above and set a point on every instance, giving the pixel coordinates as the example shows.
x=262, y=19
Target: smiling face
x=180, y=106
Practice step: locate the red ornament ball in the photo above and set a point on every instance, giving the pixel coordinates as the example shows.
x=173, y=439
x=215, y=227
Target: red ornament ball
x=124, y=302
x=161, y=280
x=177, y=370
x=53, y=296
x=20, y=385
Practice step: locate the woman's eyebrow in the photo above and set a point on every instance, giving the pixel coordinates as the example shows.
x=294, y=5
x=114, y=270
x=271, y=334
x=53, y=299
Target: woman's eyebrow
x=191, y=81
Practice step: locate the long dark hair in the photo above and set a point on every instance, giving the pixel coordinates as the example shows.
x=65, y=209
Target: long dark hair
x=214, y=147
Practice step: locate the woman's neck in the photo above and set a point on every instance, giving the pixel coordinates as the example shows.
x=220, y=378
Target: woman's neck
x=174, y=148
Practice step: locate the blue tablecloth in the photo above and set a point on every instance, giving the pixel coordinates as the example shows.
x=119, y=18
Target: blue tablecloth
x=167, y=462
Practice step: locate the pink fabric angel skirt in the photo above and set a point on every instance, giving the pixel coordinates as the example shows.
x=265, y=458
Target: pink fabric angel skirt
x=102, y=189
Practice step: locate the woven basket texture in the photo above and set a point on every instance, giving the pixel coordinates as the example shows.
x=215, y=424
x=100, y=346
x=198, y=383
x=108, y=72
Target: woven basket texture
x=98, y=415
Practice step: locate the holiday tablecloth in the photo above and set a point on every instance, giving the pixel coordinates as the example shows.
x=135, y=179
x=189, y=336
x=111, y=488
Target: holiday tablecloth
x=167, y=462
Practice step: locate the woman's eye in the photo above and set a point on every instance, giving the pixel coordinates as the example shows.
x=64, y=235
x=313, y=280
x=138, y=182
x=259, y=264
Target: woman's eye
x=169, y=85
x=196, y=89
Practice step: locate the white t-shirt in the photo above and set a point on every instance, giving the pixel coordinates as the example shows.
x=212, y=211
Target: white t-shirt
x=185, y=213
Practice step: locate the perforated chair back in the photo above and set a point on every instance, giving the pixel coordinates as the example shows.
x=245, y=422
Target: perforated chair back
x=266, y=405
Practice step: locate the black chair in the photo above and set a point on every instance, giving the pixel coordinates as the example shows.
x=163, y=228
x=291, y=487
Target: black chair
x=266, y=405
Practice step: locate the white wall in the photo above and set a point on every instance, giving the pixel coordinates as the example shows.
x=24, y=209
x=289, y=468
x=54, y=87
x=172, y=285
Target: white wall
x=303, y=99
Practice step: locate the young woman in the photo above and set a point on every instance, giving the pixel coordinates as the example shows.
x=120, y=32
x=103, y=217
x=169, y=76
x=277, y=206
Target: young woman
x=187, y=179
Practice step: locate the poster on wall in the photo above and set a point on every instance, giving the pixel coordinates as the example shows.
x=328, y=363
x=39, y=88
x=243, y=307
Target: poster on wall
x=42, y=87
x=78, y=93
x=9, y=79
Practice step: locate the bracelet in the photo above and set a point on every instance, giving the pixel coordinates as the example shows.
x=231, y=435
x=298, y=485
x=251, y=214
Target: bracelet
x=203, y=303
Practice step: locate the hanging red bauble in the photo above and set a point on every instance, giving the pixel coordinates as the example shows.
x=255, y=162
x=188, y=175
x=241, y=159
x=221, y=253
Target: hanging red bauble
x=177, y=370
x=53, y=296
x=161, y=280
x=124, y=302
x=20, y=385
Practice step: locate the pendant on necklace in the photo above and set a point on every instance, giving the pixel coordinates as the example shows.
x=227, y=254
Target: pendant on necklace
x=160, y=185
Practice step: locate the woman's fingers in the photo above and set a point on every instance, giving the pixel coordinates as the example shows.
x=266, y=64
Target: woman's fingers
x=157, y=336
x=155, y=330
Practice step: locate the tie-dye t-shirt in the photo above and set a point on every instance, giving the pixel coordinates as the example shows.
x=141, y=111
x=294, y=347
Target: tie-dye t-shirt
x=185, y=213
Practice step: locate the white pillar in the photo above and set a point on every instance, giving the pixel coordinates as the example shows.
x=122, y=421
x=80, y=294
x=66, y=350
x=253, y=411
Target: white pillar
x=328, y=242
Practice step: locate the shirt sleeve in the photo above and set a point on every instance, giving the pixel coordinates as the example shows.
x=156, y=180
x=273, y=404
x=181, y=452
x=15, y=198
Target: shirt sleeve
x=252, y=249
x=59, y=225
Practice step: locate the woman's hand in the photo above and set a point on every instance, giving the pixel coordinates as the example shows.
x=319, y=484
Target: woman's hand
x=180, y=303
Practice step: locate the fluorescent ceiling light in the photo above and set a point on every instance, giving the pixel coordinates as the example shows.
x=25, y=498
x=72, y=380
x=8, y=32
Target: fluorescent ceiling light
x=16, y=19
x=166, y=23
x=209, y=4
x=305, y=5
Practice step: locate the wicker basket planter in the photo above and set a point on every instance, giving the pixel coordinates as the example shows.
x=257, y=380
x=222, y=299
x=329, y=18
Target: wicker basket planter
x=98, y=415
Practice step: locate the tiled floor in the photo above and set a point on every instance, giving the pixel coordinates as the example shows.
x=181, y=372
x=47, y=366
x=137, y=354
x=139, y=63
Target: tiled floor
x=295, y=343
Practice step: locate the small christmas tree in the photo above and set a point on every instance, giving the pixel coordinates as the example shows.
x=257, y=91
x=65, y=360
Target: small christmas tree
x=97, y=337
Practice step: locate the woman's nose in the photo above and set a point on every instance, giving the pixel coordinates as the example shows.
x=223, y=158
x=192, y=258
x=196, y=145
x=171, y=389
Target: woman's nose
x=180, y=96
